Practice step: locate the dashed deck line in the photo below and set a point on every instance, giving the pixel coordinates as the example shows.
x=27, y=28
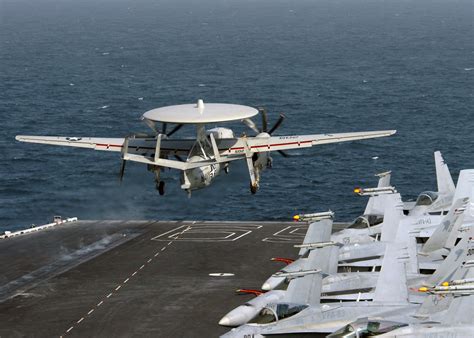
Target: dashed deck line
x=118, y=287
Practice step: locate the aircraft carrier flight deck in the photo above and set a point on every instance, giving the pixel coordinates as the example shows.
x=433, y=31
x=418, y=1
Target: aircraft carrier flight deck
x=136, y=278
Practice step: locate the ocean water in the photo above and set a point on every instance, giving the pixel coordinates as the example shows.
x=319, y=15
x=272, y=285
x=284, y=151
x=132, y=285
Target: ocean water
x=92, y=68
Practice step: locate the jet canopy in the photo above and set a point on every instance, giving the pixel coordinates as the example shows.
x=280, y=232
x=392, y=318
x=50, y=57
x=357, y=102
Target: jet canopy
x=426, y=198
x=366, y=328
x=366, y=221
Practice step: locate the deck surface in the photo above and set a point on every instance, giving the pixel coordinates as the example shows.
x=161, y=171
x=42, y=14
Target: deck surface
x=136, y=278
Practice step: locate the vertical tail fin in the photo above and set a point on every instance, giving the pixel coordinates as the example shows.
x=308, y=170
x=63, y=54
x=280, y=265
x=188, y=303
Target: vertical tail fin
x=307, y=289
x=465, y=184
x=392, y=282
x=460, y=308
x=443, y=176
x=447, y=229
x=375, y=205
x=456, y=257
x=392, y=216
x=317, y=232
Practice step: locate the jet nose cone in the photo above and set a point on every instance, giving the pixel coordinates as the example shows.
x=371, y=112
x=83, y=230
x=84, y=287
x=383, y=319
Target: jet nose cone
x=225, y=321
x=266, y=287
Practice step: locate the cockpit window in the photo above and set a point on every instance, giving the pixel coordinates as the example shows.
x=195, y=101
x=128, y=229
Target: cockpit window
x=426, y=198
x=366, y=221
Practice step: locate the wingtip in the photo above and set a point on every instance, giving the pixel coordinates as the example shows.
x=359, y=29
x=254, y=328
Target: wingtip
x=18, y=137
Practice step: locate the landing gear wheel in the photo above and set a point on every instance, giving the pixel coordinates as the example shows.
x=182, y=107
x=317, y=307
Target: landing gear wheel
x=253, y=188
x=161, y=188
x=226, y=169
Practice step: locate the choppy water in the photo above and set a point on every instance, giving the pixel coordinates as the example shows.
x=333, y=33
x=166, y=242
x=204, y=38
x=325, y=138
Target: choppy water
x=80, y=68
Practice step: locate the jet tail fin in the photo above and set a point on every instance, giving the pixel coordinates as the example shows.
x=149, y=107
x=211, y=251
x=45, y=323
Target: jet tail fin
x=456, y=257
x=375, y=205
x=454, y=267
x=392, y=282
x=317, y=232
x=392, y=216
x=443, y=176
x=307, y=289
x=447, y=229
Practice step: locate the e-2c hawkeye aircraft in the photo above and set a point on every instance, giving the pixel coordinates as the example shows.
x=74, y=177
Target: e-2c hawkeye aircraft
x=201, y=159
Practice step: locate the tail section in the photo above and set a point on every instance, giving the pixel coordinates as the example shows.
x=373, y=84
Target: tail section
x=375, y=205
x=447, y=230
x=454, y=267
x=392, y=215
x=392, y=282
x=443, y=176
x=306, y=289
x=465, y=184
x=317, y=232
x=456, y=257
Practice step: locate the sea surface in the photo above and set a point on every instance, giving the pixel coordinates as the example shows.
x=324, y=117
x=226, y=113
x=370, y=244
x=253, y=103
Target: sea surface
x=92, y=68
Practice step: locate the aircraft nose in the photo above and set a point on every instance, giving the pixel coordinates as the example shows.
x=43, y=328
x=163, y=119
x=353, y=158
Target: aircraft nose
x=272, y=282
x=239, y=316
x=225, y=321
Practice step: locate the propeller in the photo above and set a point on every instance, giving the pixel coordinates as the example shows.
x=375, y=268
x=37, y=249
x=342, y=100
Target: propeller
x=174, y=130
x=164, y=126
x=124, y=161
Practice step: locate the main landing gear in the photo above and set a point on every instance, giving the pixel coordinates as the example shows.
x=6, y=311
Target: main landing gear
x=159, y=184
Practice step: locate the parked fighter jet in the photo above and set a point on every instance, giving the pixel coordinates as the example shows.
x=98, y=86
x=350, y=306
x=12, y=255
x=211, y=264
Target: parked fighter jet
x=201, y=159
x=435, y=202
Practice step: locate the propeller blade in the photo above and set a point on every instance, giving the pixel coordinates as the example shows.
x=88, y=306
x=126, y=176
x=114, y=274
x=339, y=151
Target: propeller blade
x=122, y=170
x=124, y=151
x=150, y=124
x=175, y=129
x=249, y=123
x=263, y=113
x=277, y=124
x=282, y=153
x=179, y=158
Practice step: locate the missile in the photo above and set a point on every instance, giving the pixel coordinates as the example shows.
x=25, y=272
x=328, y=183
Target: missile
x=295, y=274
x=374, y=191
x=314, y=217
x=317, y=245
x=458, y=281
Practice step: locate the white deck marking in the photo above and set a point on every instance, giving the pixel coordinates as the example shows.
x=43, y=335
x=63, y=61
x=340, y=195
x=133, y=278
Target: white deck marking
x=278, y=232
x=216, y=232
x=221, y=274
x=127, y=279
x=286, y=235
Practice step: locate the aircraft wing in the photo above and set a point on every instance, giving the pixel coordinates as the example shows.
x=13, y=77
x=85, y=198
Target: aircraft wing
x=259, y=144
x=138, y=146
